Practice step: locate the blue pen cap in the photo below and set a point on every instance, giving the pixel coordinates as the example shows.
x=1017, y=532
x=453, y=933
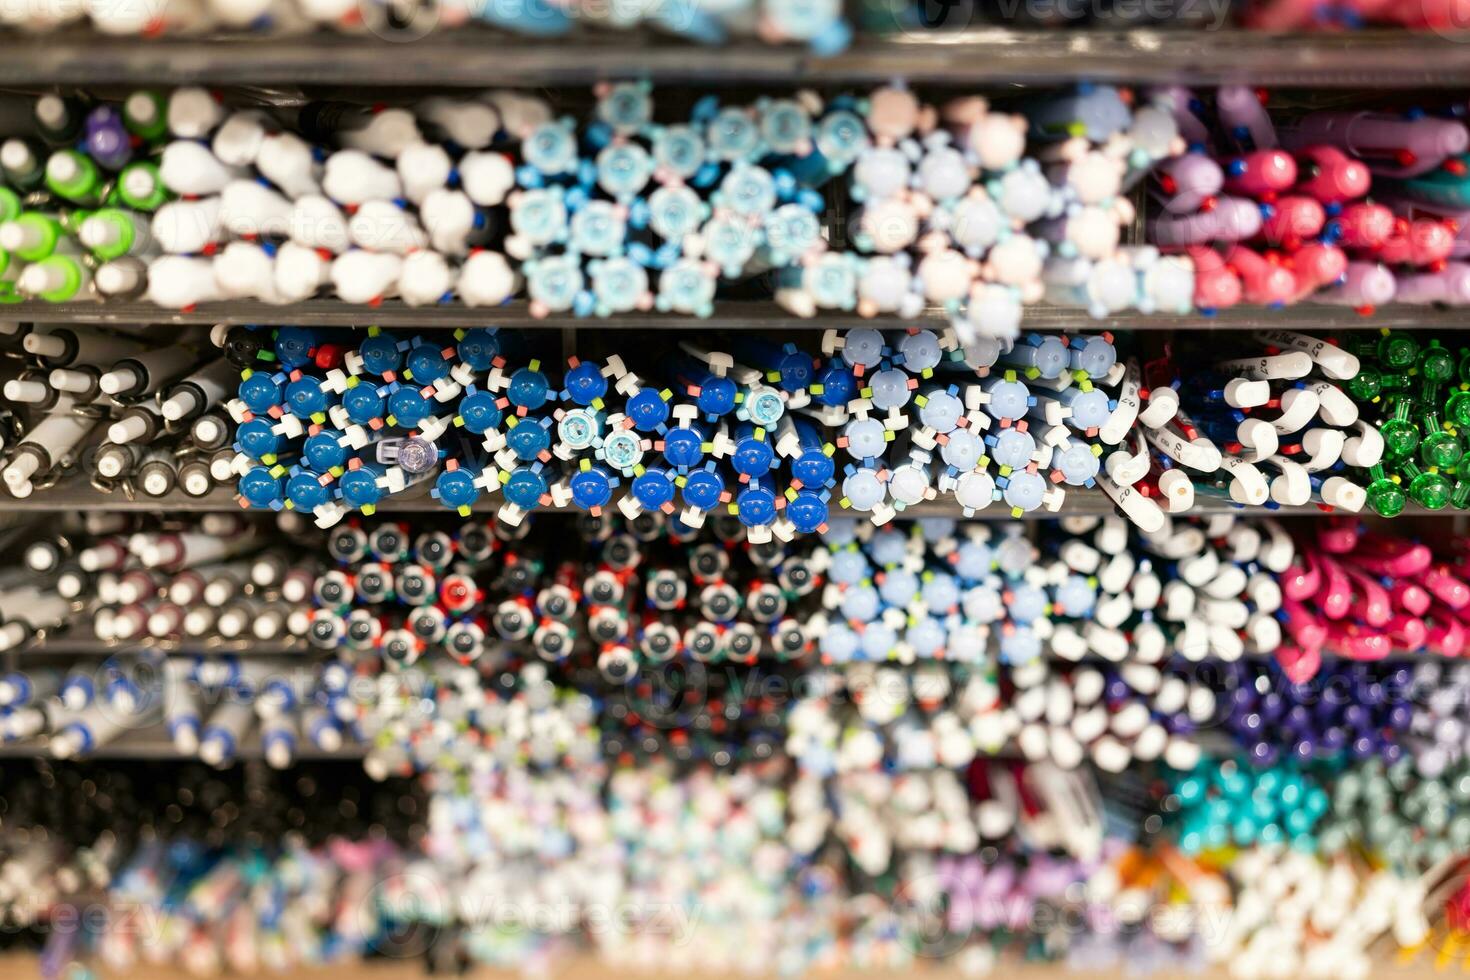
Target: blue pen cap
x=755, y=506
x=478, y=347
x=323, y=451
x=878, y=641
x=1012, y=447
x=363, y=402
x=426, y=363
x=359, y=486
x=890, y=389
x=702, y=489
x=528, y=441
x=480, y=412
x=963, y=450
x=940, y=593
x=408, y=407
x=1008, y=399
x=524, y=487
x=305, y=491
x=456, y=488
x=807, y=511
x=814, y=468
x=261, y=392
x=899, y=587
x=752, y=456
x=796, y=370
x=919, y=350
x=1094, y=355
x=1019, y=646
x=585, y=383
x=973, y=560
x=293, y=346
x=860, y=603
x=927, y=637
x=1024, y=490
x=838, y=644
x=579, y=429
x=1075, y=597
x=256, y=438
x=838, y=386
x=528, y=389
x=848, y=567
x=622, y=450
x=260, y=488
x=863, y=490
x=1078, y=464
x=591, y=487
x=888, y=547
x=653, y=489
x=683, y=447
x=305, y=398
x=863, y=347
x=717, y=396
x=648, y=410
x=1090, y=409
x=941, y=411
x=380, y=354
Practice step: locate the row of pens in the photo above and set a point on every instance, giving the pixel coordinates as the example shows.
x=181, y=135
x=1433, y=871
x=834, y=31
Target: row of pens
x=878, y=203
x=782, y=438
x=931, y=643
x=1268, y=872
x=634, y=595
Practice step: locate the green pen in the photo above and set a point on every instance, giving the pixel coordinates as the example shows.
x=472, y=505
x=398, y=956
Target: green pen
x=32, y=235
x=9, y=273
x=1447, y=186
x=145, y=115
x=57, y=279
x=112, y=233
x=74, y=176
x=140, y=187
x=9, y=205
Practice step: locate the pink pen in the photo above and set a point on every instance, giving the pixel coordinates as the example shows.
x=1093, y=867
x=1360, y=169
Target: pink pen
x=1330, y=175
x=1216, y=286
x=1450, y=286
x=1408, y=632
x=1299, y=665
x=1391, y=145
x=1371, y=604
x=1262, y=280
x=1261, y=173
x=1241, y=110
x=1291, y=221
x=1285, y=15
x=1350, y=640
x=1364, y=226
x=1364, y=286
x=1187, y=181
x=1306, y=629
x=1446, y=634
x=1421, y=242
x=1447, y=587
x=1232, y=219
x=1338, y=536
x=1410, y=596
x=1316, y=266
x=1300, y=581
x=1334, y=597
x=1384, y=554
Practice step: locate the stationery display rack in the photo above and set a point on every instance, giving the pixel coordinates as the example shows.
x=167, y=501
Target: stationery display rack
x=1372, y=65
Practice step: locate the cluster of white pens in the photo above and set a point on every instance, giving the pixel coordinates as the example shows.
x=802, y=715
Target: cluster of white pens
x=265, y=214
x=980, y=212
x=933, y=591
x=817, y=23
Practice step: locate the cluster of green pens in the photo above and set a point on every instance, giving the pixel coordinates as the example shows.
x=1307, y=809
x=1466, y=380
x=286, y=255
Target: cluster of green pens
x=76, y=199
x=1422, y=395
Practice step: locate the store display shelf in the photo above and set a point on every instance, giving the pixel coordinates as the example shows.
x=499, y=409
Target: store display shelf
x=762, y=315
x=959, y=55
x=153, y=743
x=78, y=495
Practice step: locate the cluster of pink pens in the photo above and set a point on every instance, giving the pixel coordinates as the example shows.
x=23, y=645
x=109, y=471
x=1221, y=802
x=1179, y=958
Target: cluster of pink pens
x=1276, y=215
x=1365, y=595
x=1300, y=15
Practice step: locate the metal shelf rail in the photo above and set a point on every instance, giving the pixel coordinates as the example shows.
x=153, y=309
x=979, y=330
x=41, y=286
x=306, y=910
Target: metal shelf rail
x=980, y=55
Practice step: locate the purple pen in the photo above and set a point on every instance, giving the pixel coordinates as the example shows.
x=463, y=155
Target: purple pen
x=107, y=140
x=1391, y=146
x=1364, y=284
x=1182, y=102
x=1450, y=286
x=1232, y=219
x=1241, y=111
x=1186, y=181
